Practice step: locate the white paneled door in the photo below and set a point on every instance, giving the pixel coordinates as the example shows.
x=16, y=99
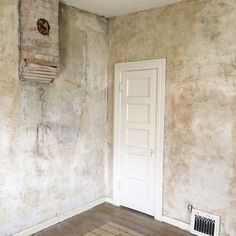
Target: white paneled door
x=138, y=127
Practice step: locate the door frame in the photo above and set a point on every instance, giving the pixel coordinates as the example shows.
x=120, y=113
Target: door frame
x=160, y=65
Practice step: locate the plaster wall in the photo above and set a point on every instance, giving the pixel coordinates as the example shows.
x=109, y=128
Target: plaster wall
x=52, y=137
x=197, y=38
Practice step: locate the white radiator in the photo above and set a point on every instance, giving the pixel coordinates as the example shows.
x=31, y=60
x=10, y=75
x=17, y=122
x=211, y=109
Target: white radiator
x=204, y=224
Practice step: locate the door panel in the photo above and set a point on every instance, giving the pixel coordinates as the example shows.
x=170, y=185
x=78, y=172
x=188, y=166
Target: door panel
x=141, y=109
x=134, y=161
x=138, y=87
x=137, y=138
x=137, y=144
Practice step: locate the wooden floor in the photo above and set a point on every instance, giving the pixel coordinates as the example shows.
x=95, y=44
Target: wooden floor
x=107, y=220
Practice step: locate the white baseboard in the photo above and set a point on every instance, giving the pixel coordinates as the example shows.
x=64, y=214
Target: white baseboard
x=109, y=200
x=176, y=223
x=170, y=221
x=58, y=219
x=63, y=217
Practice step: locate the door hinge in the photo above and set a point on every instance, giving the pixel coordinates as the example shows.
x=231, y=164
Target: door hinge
x=120, y=87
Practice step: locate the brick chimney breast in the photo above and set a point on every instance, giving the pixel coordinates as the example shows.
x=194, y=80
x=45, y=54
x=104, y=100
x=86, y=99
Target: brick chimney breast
x=39, y=50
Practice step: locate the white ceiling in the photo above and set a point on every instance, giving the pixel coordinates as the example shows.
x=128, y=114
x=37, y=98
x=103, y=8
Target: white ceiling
x=109, y=8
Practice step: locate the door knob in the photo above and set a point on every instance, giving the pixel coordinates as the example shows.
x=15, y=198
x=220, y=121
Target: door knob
x=151, y=152
x=148, y=153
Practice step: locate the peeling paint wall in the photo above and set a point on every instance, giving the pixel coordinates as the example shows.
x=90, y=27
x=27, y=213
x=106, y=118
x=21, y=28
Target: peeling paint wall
x=198, y=40
x=52, y=138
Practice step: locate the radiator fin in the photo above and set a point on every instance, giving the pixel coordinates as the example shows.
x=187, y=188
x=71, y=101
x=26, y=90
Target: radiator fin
x=41, y=74
x=204, y=224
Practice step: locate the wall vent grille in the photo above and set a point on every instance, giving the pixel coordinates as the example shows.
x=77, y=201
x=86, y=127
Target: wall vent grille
x=38, y=40
x=42, y=74
x=204, y=224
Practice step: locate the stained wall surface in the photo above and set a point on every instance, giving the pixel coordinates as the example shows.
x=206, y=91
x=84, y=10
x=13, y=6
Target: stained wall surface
x=52, y=154
x=52, y=138
x=198, y=40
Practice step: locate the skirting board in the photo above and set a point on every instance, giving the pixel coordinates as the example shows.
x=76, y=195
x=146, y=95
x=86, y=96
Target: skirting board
x=165, y=219
x=176, y=223
x=58, y=219
x=109, y=200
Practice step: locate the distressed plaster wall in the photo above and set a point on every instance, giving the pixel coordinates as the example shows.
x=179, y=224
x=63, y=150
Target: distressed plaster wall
x=34, y=48
x=52, y=155
x=52, y=137
x=198, y=39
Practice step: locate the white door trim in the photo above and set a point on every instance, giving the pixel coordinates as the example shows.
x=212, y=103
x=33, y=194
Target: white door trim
x=160, y=65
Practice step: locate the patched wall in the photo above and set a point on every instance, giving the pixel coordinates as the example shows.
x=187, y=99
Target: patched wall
x=198, y=40
x=52, y=136
x=38, y=40
x=35, y=47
